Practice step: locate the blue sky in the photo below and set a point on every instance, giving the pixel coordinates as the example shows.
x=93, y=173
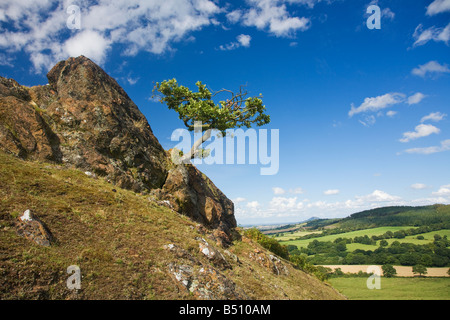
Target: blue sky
x=363, y=115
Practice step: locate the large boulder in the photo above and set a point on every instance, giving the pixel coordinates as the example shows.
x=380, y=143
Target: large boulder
x=192, y=193
x=83, y=118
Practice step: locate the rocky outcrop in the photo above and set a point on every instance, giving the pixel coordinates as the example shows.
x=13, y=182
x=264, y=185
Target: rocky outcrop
x=192, y=193
x=83, y=118
x=23, y=131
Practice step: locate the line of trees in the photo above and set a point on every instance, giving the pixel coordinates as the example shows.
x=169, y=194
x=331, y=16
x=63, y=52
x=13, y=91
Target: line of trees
x=400, y=234
x=435, y=254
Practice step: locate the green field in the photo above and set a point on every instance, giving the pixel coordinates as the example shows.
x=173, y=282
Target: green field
x=428, y=237
x=355, y=288
x=369, y=232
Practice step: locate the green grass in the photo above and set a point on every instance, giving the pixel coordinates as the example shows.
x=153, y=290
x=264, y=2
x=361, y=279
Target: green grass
x=355, y=288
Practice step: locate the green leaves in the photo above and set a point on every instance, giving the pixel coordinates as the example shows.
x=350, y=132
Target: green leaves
x=234, y=112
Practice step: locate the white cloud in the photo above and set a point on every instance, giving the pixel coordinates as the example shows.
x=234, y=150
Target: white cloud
x=234, y=16
x=308, y=3
x=422, y=36
x=378, y=196
x=432, y=67
x=243, y=40
x=239, y=200
x=271, y=16
x=283, y=204
x=368, y=121
x=278, y=190
x=438, y=6
x=445, y=146
x=132, y=80
x=253, y=205
x=416, y=98
x=88, y=43
x=387, y=13
x=443, y=191
x=377, y=103
x=331, y=192
x=434, y=116
x=419, y=186
x=430, y=201
x=422, y=130
x=40, y=28
x=391, y=113
x=6, y=61
x=359, y=203
x=296, y=190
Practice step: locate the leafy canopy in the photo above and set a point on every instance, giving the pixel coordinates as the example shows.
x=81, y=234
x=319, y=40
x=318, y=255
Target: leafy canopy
x=235, y=112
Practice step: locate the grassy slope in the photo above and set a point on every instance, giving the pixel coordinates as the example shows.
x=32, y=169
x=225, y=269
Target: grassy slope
x=117, y=240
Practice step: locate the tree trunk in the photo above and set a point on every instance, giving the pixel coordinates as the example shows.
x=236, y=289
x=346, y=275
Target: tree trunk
x=187, y=157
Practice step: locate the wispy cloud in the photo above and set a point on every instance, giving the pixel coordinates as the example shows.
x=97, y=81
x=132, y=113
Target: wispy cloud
x=331, y=192
x=434, y=116
x=239, y=200
x=422, y=130
x=431, y=34
x=419, y=186
x=296, y=190
x=445, y=146
x=278, y=190
x=438, y=6
x=432, y=67
x=377, y=103
x=368, y=121
x=416, y=98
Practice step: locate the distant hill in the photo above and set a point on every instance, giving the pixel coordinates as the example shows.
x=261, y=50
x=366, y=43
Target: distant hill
x=312, y=219
x=272, y=229
x=390, y=216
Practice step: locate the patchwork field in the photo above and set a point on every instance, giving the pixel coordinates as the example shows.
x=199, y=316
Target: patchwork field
x=369, y=232
x=287, y=239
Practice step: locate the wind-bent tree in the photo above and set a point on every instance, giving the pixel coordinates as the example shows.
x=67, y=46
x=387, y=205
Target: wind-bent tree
x=193, y=108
